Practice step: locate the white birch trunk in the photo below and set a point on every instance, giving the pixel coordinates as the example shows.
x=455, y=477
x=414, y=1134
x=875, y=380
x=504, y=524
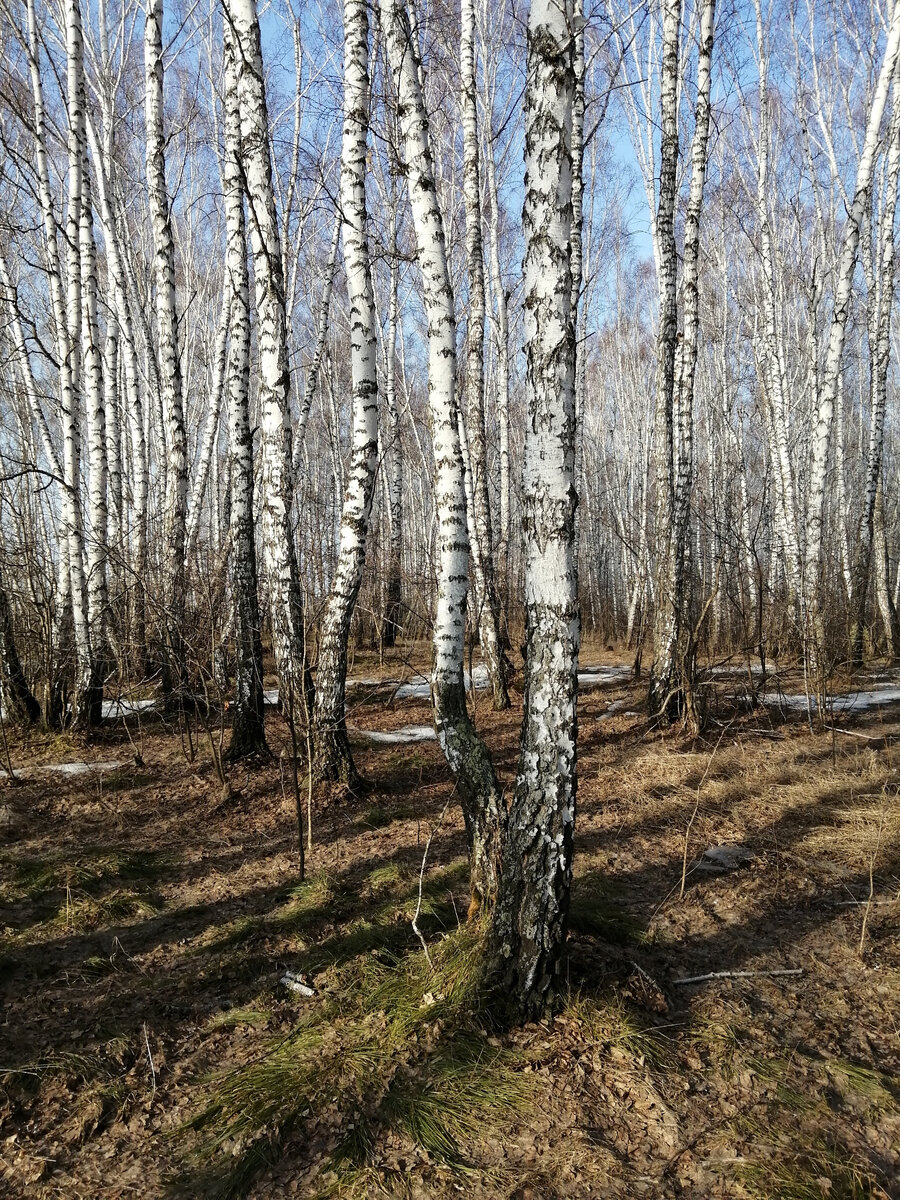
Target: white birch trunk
x=85, y=703
x=333, y=757
x=274, y=376
x=315, y=366
x=393, y=622
x=480, y=516
x=532, y=907
x=214, y=410
x=464, y=750
x=663, y=698
x=880, y=306
x=247, y=729
x=175, y=450
x=834, y=351
x=95, y=400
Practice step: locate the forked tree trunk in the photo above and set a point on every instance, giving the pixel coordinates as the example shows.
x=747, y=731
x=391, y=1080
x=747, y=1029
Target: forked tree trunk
x=488, y=603
x=464, y=750
x=501, y=337
x=673, y=674
x=175, y=452
x=247, y=728
x=532, y=907
x=209, y=441
x=285, y=600
x=334, y=759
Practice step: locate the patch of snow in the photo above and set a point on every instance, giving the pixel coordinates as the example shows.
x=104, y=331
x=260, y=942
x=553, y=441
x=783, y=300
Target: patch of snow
x=596, y=676
x=850, y=702
x=398, y=737
x=270, y=696
x=418, y=688
x=82, y=768
x=71, y=768
x=126, y=708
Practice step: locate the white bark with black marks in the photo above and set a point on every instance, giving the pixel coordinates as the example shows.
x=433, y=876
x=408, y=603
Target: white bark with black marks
x=247, y=729
x=285, y=599
x=175, y=513
x=464, y=750
x=532, y=908
x=334, y=759
x=488, y=609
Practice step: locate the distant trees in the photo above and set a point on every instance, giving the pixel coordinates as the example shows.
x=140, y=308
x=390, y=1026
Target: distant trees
x=730, y=325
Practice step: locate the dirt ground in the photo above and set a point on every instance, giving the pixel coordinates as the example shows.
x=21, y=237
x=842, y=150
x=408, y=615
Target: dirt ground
x=148, y=919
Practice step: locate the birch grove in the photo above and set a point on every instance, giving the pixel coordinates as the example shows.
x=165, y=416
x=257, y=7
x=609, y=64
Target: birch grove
x=428, y=340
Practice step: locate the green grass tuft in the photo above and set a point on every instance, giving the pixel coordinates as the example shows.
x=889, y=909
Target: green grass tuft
x=392, y=1048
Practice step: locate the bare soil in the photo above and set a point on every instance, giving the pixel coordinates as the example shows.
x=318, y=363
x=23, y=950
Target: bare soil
x=147, y=919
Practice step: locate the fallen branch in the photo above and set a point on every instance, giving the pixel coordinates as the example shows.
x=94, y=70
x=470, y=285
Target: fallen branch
x=416, y=930
x=150, y=1060
x=739, y=975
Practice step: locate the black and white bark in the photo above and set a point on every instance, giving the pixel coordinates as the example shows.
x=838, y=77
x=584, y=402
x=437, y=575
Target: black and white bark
x=672, y=692
x=481, y=536
x=86, y=703
x=464, y=750
x=247, y=728
x=664, y=693
x=393, y=616
x=827, y=392
x=285, y=599
x=96, y=403
x=334, y=759
x=879, y=306
x=315, y=365
x=175, y=507
x=530, y=918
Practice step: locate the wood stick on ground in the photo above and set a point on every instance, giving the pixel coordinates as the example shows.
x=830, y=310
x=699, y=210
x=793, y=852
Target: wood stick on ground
x=739, y=975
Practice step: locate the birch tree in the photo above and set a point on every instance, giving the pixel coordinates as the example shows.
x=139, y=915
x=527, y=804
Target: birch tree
x=285, y=599
x=480, y=519
x=174, y=525
x=247, y=729
x=532, y=907
x=334, y=759
x=673, y=671
x=463, y=748
x=821, y=440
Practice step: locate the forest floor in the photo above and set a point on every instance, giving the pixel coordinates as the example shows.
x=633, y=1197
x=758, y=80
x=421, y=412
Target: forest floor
x=148, y=1046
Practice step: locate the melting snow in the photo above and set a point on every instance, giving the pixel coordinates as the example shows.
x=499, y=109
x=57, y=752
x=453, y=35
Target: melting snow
x=72, y=768
x=126, y=708
x=398, y=737
x=596, y=676
x=851, y=702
